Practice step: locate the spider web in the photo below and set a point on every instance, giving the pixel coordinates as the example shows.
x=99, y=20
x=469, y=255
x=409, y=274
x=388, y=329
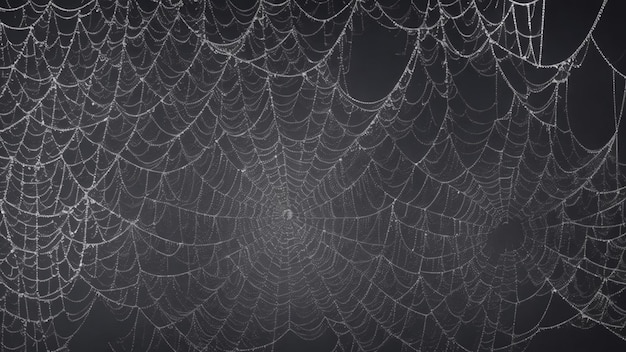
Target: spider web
x=211, y=173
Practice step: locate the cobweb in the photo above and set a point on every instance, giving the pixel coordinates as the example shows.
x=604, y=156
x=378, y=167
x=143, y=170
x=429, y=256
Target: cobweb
x=212, y=174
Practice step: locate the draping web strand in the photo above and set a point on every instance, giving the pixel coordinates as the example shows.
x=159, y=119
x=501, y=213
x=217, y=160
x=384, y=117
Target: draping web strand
x=204, y=170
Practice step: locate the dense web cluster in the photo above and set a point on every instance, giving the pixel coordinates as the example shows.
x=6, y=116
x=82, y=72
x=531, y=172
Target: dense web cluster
x=221, y=175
